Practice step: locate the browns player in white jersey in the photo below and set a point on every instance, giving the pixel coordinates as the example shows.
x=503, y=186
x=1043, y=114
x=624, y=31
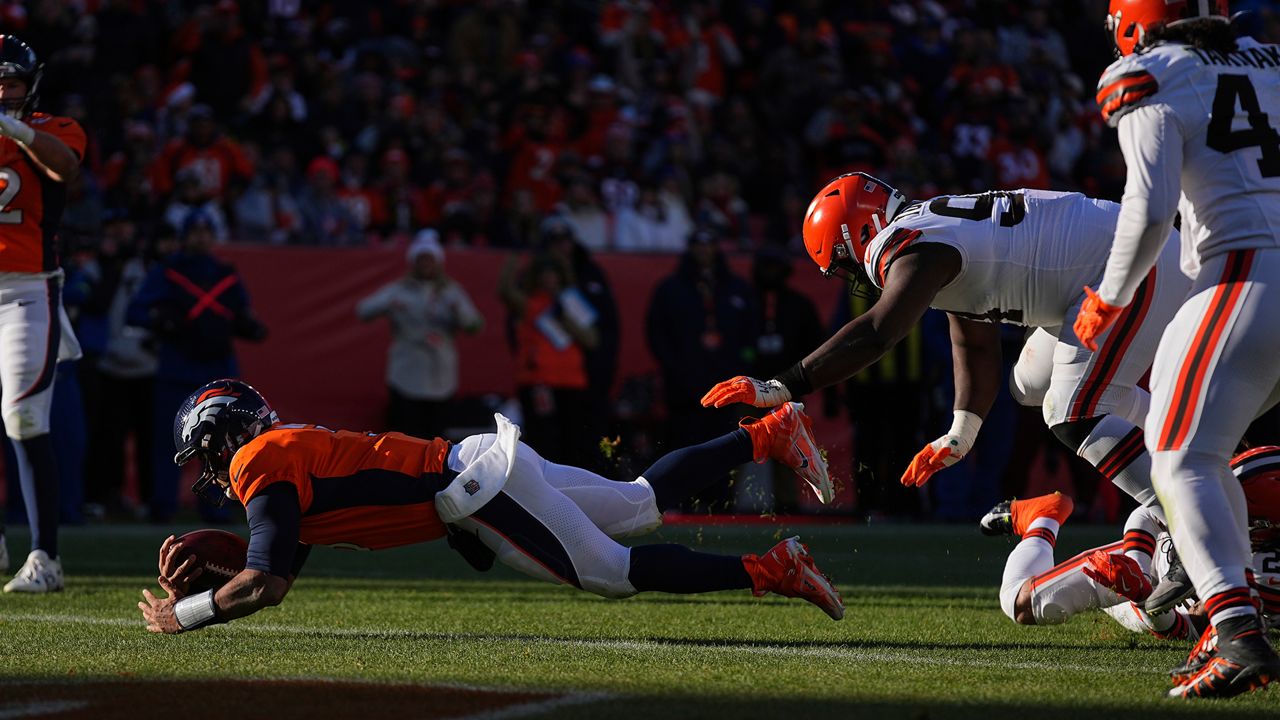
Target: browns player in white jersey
x=1197, y=112
x=1015, y=257
x=1117, y=577
x=39, y=154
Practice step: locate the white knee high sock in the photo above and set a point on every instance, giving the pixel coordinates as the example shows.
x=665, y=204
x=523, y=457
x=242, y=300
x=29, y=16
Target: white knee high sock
x=1201, y=497
x=1140, y=532
x=1031, y=557
x=1116, y=448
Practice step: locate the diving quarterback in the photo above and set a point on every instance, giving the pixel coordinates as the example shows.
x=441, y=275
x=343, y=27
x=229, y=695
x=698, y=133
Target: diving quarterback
x=39, y=154
x=1015, y=257
x=1198, y=112
x=305, y=485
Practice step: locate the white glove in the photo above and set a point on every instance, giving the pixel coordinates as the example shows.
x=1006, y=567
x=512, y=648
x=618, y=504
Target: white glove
x=21, y=132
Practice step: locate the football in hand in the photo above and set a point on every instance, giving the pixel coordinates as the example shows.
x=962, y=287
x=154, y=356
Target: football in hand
x=221, y=556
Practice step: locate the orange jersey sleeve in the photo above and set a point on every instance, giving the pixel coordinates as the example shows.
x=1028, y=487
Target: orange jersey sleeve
x=63, y=128
x=31, y=203
x=355, y=489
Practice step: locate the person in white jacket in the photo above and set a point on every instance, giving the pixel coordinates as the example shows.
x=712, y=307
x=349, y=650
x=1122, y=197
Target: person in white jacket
x=426, y=310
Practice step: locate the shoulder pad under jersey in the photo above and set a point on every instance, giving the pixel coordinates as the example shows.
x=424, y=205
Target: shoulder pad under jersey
x=1135, y=79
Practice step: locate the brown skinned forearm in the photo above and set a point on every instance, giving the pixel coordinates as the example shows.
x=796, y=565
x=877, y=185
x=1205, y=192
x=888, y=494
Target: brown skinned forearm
x=914, y=278
x=975, y=352
x=53, y=157
x=853, y=348
x=249, y=592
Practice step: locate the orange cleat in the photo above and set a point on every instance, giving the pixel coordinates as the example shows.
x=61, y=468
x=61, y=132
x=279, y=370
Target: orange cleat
x=1054, y=505
x=786, y=435
x=789, y=570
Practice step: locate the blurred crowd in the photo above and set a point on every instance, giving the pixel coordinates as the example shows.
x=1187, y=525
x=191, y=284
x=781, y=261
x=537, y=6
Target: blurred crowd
x=558, y=129
x=348, y=122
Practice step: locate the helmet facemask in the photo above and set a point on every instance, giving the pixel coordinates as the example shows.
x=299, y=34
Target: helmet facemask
x=212, y=425
x=20, y=108
x=855, y=276
x=212, y=447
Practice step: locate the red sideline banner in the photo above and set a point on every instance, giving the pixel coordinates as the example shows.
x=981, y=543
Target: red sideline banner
x=320, y=364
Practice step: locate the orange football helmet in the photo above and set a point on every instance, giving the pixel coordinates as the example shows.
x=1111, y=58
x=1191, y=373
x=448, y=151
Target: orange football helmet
x=1258, y=470
x=843, y=218
x=1128, y=21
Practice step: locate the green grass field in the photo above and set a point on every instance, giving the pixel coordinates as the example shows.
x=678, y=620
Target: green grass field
x=923, y=637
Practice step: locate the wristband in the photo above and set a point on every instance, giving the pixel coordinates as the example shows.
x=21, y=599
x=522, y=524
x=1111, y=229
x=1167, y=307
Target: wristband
x=196, y=611
x=796, y=380
x=22, y=133
x=965, y=425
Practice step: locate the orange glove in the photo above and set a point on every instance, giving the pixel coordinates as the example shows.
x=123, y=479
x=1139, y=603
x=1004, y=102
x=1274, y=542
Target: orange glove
x=1118, y=572
x=927, y=462
x=743, y=389
x=1094, y=319
x=945, y=451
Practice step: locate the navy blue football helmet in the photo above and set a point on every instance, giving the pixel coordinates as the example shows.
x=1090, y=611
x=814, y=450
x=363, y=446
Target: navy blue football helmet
x=18, y=60
x=212, y=424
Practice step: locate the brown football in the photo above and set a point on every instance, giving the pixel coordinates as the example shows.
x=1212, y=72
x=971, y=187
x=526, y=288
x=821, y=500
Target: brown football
x=221, y=554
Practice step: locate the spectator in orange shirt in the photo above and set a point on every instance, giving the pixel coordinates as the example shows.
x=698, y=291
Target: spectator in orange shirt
x=1016, y=157
x=553, y=329
x=534, y=155
x=216, y=161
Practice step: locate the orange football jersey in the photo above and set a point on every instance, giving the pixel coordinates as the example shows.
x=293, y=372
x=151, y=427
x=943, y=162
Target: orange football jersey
x=31, y=203
x=356, y=489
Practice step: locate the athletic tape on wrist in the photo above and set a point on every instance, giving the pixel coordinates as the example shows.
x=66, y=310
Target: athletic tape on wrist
x=196, y=611
x=965, y=425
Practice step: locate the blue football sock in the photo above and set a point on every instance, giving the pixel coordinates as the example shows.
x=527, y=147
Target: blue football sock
x=685, y=472
x=677, y=569
x=38, y=473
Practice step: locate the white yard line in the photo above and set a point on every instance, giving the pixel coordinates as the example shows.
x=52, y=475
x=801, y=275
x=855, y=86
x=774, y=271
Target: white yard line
x=536, y=708
x=923, y=656
x=38, y=708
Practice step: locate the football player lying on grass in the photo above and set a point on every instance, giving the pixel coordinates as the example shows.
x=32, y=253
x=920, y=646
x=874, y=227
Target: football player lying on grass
x=494, y=496
x=1117, y=577
x=1021, y=257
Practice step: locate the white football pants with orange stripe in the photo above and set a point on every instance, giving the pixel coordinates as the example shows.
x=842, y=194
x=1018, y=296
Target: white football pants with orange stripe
x=1070, y=383
x=1218, y=368
x=34, y=335
x=1060, y=592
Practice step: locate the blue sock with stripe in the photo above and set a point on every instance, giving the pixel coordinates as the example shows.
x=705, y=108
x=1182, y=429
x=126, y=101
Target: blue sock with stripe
x=38, y=473
x=684, y=472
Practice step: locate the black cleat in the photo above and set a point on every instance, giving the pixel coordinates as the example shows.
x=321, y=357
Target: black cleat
x=1174, y=587
x=1204, y=651
x=998, y=520
x=1243, y=661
